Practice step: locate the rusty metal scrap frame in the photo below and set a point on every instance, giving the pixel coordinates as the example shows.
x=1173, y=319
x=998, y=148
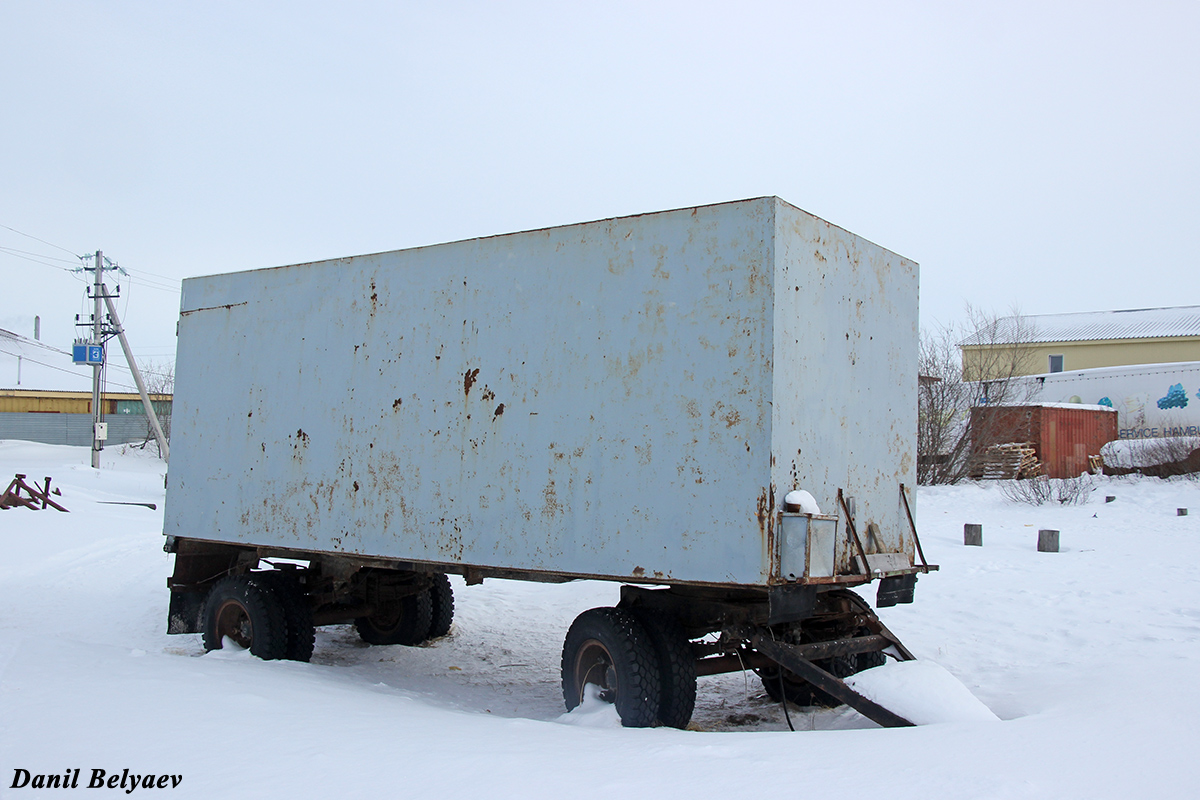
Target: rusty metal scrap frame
x=37, y=494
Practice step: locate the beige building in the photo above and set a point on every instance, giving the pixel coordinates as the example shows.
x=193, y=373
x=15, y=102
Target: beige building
x=1035, y=345
x=39, y=401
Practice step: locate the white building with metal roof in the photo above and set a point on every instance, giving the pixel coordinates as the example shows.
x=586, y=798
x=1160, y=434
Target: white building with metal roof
x=1049, y=343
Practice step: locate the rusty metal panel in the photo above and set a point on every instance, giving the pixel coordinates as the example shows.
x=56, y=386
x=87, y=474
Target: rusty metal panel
x=1066, y=437
x=620, y=399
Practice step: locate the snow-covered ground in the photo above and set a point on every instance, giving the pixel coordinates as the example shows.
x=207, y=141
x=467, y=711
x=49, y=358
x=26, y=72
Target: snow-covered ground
x=1089, y=657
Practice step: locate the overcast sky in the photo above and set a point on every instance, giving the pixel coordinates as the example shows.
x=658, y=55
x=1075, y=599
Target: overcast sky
x=1041, y=155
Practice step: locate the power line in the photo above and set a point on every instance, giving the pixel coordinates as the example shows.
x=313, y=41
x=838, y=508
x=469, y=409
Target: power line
x=155, y=274
x=17, y=254
x=14, y=251
x=36, y=239
x=151, y=285
x=39, y=343
x=163, y=283
x=60, y=369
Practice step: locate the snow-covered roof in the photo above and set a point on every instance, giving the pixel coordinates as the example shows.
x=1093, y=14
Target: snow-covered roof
x=1137, y=323
x=1174, y=369
x=30, y=364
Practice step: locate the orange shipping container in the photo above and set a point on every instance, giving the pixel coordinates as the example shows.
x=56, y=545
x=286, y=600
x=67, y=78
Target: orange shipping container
x=1065, y=435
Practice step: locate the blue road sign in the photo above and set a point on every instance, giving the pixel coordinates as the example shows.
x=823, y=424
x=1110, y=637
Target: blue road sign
x=87, y=354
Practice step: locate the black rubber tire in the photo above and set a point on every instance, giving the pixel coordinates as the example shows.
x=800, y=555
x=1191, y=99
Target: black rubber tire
x=441, y=598
x=676, y=666
x=609, y=648
x=802, y=693
x=297, y=613
x=248, y=613
x=867, y=661
x=406, y=622
x=863, y=661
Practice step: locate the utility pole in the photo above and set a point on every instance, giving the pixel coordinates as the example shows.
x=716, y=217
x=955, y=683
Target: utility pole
x=92, y=352
x=137, y=377
x=97, y=323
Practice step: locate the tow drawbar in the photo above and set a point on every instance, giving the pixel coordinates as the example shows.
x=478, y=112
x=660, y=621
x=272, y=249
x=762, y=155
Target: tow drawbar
x=788, y=657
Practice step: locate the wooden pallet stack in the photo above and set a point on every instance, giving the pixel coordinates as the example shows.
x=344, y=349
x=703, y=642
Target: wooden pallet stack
x=1009, y=461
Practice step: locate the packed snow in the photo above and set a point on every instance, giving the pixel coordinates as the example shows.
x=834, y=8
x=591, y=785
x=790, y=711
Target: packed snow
x=1128, y=453
x=1056, y=675
x=803, y=501
x=922, y=692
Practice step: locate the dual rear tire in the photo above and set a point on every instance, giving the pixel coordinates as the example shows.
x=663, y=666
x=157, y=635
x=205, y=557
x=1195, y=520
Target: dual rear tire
x=412, y=619
x=268, y=614
x=636, y=660
x=260, y=612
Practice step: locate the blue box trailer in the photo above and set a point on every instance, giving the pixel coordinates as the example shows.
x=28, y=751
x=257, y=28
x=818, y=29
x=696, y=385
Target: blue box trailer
x=638, y=399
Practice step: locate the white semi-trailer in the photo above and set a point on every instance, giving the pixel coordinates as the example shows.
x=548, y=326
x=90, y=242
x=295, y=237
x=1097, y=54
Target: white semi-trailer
x=1152, y=401
x=631, y=400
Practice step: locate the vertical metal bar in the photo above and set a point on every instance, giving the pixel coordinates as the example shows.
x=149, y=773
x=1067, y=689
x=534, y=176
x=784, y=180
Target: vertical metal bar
x=854, y=531
x=913, y=525
x=96, y=325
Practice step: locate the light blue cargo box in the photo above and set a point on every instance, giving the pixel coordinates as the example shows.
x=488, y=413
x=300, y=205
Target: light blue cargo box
x=628, y=399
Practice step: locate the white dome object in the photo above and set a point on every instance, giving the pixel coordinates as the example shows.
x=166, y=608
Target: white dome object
x=801, y=498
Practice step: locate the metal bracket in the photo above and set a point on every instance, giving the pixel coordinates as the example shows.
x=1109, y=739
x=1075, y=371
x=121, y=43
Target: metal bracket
x=925, y=565
x=853, y=530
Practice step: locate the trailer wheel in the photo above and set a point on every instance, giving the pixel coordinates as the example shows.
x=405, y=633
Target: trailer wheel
x=677, y=668
x=609, y=649
x=441, y=598
x=297, y=613
x=870, y=661
x=799, y=691
x=248, y=614
x=406, y=621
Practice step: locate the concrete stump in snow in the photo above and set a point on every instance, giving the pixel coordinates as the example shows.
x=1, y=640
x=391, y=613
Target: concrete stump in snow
x=1047, y=541
x=973, y=535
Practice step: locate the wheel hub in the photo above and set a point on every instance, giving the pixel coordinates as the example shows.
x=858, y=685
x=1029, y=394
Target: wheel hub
x=594, y=665
x=234, y=621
